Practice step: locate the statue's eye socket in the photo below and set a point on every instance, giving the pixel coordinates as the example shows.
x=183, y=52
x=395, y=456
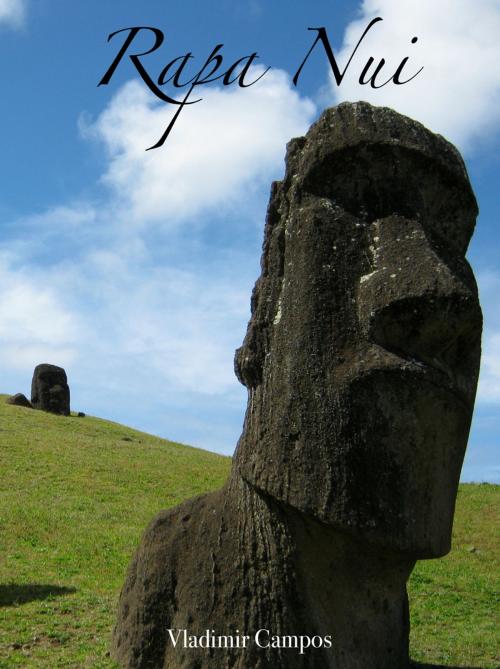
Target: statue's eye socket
x=375, y=181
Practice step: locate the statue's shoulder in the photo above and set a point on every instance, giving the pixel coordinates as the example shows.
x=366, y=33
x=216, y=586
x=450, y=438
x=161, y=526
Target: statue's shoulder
x=180, y=530
x=171, y=572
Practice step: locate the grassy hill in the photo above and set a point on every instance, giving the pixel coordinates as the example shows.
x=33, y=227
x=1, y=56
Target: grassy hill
x=75, y=496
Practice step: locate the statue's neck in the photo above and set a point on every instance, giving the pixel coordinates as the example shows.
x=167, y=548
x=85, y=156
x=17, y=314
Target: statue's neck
x=311, y=579
x=356, y=593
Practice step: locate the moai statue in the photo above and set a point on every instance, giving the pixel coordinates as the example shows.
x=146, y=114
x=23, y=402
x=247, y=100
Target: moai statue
x=50, y=390
x=361, y=361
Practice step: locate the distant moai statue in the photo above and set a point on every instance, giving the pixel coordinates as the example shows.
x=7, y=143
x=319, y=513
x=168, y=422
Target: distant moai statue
x=19, y=400
x=50, y=390
x=361, y=362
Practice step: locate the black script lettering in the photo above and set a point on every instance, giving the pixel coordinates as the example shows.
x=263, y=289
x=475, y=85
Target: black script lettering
x=364, y=79
x=401, y=66
x=174, y=69
x=195, y=81
x=323, y=38
x=175, y=77
x=135, y=60
x=395, y=77
x=240, y=78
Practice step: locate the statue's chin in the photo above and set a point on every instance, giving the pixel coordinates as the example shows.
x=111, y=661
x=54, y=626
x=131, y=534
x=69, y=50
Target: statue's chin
x=390, y=473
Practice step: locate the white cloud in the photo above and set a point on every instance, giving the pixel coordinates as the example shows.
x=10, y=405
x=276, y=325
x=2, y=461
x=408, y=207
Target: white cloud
x=188, y=336
x=12, y=12
x=112, y=315
x=72, y=216
x=458, y=92
x=164, y=325
x=35, y=324
x=219, y=148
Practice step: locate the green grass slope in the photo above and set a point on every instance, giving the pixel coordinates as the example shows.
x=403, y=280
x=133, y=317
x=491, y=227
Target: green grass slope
x=75, y=496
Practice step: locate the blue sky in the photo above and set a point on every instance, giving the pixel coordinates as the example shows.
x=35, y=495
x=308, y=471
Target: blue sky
x=133, y=269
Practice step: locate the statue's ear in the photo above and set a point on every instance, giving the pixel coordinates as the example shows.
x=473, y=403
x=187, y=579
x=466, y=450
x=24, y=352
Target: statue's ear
x=249, y=358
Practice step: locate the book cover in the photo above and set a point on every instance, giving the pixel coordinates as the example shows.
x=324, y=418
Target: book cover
x=139, y=145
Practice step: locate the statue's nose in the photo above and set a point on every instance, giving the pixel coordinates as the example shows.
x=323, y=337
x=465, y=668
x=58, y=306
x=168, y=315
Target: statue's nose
x=415, y=303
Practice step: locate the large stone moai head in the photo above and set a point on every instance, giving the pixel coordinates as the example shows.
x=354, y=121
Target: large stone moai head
x=50, y=390
x=362, y=353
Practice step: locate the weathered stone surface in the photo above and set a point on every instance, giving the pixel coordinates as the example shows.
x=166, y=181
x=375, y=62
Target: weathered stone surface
x=50, y=390
x=361, y=361
x=19, y=400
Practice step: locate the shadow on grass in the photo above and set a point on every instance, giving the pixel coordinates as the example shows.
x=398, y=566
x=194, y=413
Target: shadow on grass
x=13, y=593
x=417, y=665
